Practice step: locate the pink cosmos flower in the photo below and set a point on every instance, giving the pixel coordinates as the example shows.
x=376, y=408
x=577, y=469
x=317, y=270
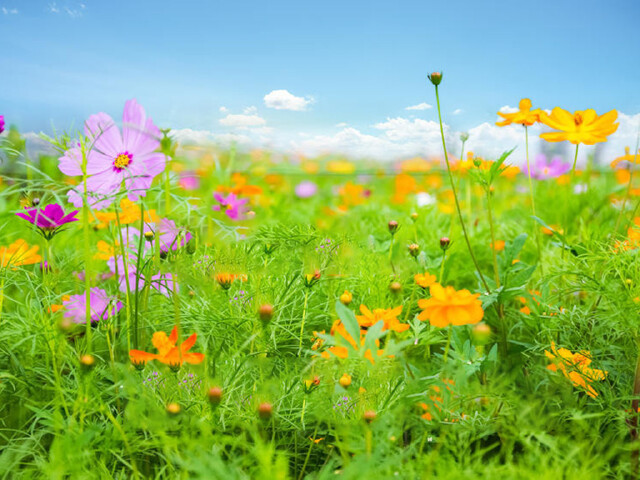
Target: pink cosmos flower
x=1, y=123
x=114, y=157
x=49, y=219
x=171, y=237
x=231, y=205
x=543, y=169
x=189, y=181
x=306, y=189
x=102, y=306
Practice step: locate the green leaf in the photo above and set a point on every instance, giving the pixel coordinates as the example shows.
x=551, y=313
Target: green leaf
x=349, y=321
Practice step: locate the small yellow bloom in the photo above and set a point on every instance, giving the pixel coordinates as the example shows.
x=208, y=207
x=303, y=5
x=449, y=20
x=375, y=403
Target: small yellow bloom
x=346, y=297
x=525, y=116
x=19, y=253
x=345, y=380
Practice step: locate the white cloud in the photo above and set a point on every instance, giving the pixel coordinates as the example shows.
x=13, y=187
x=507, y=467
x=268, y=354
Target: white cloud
x=342, y=124
x=242, y=121
x=457, y=111
x=223, y=109
x=74, y=10
x=9, y=11
x=284, y=100
x=508, y=109
x=420, y=106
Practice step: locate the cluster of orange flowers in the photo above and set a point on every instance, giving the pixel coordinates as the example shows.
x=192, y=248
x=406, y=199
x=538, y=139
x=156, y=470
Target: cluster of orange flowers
x=437, y=400
x=575, y=366
x=583, y=126
x=168, y=351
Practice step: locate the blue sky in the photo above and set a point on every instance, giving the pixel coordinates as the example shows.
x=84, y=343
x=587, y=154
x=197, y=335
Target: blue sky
x=361, y=62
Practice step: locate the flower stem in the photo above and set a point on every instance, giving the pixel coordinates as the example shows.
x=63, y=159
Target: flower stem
x=455, y=197
x=496, y=273
x=532, y=195
x=140, y=242
x=448, y=345
x=304, y=317
x=126, y=276
x=444, y=257
x=87, y=249
x=570, y=189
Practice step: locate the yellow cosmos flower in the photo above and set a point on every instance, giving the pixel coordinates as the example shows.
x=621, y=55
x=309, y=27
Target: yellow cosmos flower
x=525, y=116
x=19, y=253
x=575, y=366
x=584, y=126
x=627, y=157
x=448, y=306
x=424, y=280
x=387, y=315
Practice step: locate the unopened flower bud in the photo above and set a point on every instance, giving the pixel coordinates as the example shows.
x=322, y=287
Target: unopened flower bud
x=345, y=380
x=87, y=362
x=393, y=227
x=266, y=312
x=173, y=408
x=265, y=410
x=414, y=216
x=445, y=242
x=481, y=333
x=346, y=297
x=35, y=202
x=395, y=287
x=464, y=136
x=215, y=395
x=369, y=416
x=477, y=162
x=149, y=236
x=436, y=78
x=414, y=249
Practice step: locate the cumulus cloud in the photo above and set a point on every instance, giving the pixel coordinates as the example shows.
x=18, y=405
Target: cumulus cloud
x=508, y=109
x=9, y=11
x=420, y=106
x=457, y=111
x=284, y=100
x=242, y=120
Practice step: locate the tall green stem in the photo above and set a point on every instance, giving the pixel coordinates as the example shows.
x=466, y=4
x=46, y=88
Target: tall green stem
x=455, y=197
x=304, y=317
x=532, y=195
x=496, y=273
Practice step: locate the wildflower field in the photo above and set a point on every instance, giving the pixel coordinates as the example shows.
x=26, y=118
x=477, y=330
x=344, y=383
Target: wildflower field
x=185, y=311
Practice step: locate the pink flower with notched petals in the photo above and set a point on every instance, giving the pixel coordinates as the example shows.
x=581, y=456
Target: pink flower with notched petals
x=114, y=157
x=231, y=205
x=1, y=123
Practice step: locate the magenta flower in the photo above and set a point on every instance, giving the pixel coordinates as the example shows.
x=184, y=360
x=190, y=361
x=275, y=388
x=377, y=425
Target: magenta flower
x=1, y=123
x=306, y=189
x=114, y=157
x=102, y=306
x=543, y=170
x=231, y=205
x=49, y=219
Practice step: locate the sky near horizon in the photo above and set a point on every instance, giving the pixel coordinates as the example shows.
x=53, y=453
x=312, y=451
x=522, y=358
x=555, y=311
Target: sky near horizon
x=340, y=75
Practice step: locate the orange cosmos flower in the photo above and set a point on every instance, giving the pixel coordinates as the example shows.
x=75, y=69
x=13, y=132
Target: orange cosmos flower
x=627, y=157
x=338, y=330
x=424, y=280
x=387, y=315
x=19, y=253
x=525, y=116
x=575, y=366
x=226, y=279
x=448, y=306
x=168, y=352
x=498, y=246
x=584, y=126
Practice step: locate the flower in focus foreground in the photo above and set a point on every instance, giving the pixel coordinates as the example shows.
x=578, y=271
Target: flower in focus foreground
x=448, y=306
x=114, y=157
x=168, y=352
x=19, y=253
x=584, y=126
x=102, y=306
x=525, y=116
x=575, y=366
x=49, y=219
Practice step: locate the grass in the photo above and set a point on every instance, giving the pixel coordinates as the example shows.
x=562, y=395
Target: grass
x=496, y=410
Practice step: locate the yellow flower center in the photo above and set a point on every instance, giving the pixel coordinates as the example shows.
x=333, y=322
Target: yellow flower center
x=578, y=119
x=122, y=160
